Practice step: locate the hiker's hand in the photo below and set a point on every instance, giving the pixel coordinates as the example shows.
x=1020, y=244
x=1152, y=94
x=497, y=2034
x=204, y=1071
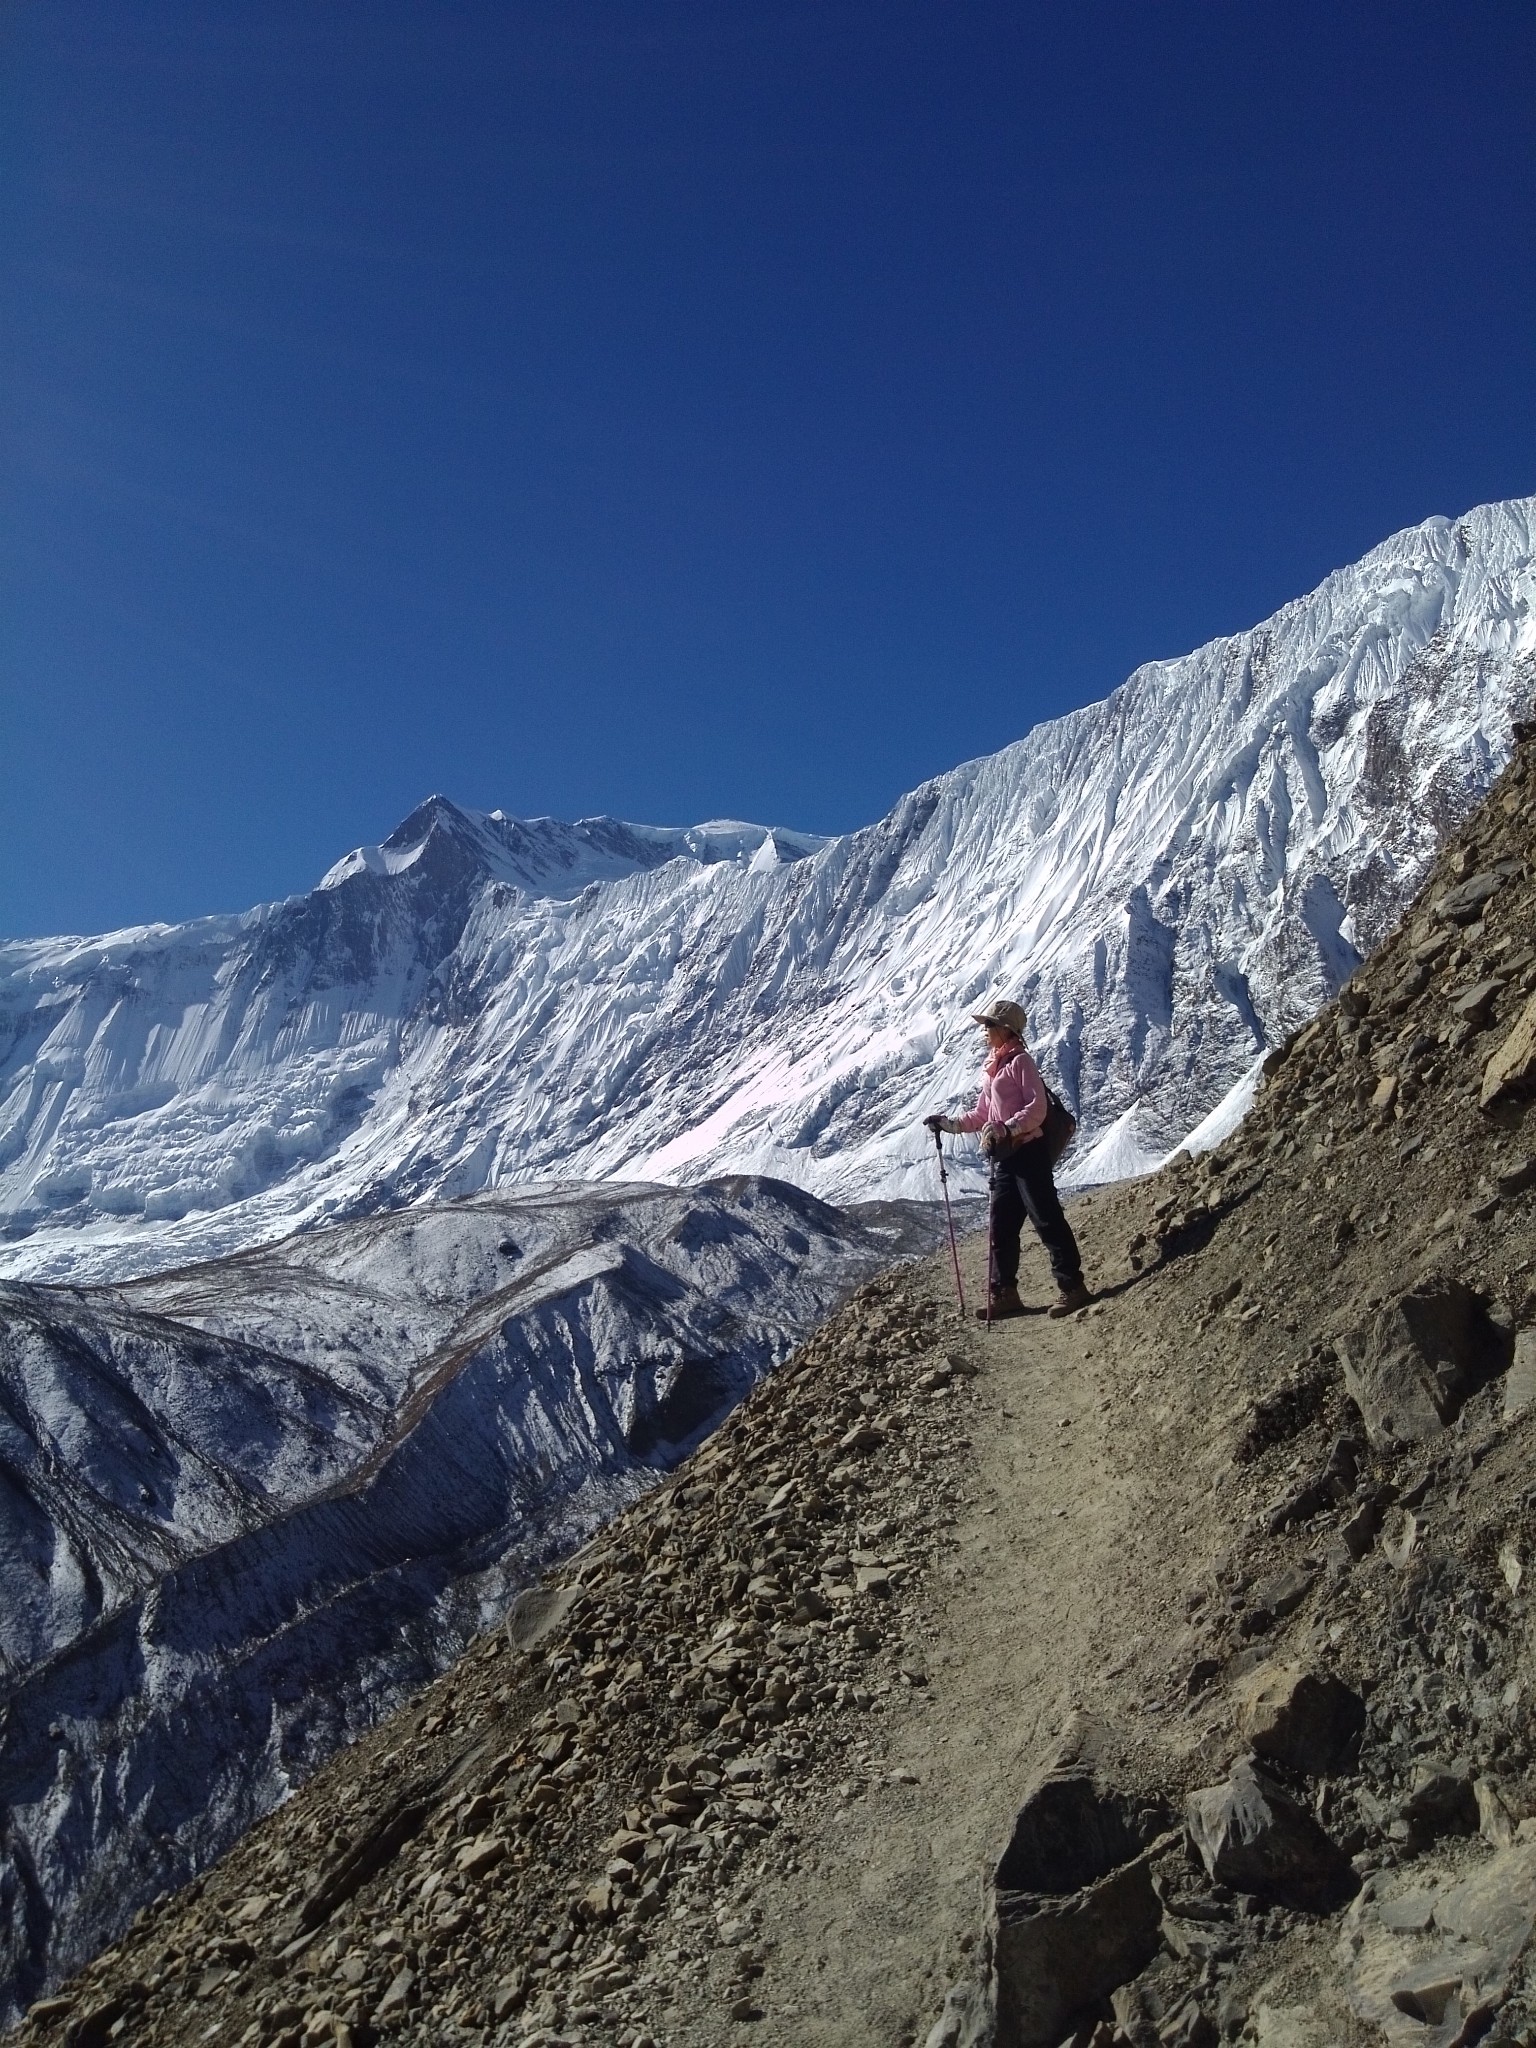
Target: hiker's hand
x=940, y=1123
x=996, y=1139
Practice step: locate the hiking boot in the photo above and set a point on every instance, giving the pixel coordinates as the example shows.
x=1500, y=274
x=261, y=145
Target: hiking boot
x=1005, y=1303
x=1070, y=1300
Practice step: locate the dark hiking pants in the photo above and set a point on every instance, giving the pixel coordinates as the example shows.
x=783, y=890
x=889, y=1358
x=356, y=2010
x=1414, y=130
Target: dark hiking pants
x=1023, y=1185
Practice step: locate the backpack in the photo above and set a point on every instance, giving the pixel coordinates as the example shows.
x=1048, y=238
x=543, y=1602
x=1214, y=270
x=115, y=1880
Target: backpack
x=1060, y=1126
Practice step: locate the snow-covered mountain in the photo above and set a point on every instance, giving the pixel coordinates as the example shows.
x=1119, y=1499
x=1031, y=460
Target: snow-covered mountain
x=246, y=1507
x=1171, y=879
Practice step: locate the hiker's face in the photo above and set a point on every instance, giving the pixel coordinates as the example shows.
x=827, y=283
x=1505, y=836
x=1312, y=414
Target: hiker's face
x=996, y=1035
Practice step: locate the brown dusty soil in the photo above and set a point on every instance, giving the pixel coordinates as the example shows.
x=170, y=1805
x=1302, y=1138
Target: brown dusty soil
x=1074, y=1543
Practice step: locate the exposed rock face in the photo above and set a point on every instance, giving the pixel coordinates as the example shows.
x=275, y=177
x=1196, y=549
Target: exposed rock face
x=1172, y=880
x=1074, y=1911
x=1253, y=1837
x=1430, y=1961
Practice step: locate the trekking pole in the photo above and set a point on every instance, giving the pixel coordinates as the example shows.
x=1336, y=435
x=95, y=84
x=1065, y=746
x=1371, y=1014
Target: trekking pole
x=991, y=1252
x=954, y=1249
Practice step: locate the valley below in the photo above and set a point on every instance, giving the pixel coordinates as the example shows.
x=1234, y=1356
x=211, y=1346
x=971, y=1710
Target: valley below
x=252, y=1505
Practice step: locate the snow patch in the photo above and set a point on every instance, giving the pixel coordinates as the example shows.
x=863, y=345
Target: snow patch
x=1121, y=1153
x=1224, y=1119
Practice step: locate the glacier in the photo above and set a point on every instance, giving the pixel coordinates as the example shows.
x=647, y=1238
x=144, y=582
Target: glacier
x=1171, y=880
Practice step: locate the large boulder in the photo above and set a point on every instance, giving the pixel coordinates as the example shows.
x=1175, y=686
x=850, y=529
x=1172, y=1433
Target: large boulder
x=1463, y=903
x=1074, y=1913
x=1409, y=1370
x=1512, y=1069
x=1253, y=1837
x=1438, y=1802
x=1308, y=1721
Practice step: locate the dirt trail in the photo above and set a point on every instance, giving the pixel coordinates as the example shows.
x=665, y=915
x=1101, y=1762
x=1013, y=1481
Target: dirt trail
x=1077, y=1524
x=1019, y=1615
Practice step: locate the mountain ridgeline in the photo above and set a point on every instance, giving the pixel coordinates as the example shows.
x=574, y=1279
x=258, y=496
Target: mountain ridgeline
x=1172, y=879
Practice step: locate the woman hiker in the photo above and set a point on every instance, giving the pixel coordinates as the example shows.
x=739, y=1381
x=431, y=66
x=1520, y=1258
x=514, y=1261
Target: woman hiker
x=1010, y=1114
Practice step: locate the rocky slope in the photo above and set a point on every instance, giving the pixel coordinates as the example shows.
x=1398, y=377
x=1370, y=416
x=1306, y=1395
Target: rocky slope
x=247, y=1506
x=1197, y=1630
x=1173, y=879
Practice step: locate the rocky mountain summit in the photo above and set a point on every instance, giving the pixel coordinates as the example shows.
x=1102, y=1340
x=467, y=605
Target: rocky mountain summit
x=1173, y=880
x=1157, y=1677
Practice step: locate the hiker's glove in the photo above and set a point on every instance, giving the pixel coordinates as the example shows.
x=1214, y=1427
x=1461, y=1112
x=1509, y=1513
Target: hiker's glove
x=941, y=1123
x=996, y=1140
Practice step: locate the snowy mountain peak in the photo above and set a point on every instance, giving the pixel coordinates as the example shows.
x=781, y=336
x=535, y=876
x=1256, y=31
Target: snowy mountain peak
x=547, y=857
x=1171, y=880
x=436, y=818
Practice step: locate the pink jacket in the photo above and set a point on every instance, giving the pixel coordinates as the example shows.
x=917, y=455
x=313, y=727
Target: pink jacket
x=1012, y=1093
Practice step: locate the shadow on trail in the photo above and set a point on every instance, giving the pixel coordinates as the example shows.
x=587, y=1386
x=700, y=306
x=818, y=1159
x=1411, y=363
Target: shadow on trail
x=1183, y=1243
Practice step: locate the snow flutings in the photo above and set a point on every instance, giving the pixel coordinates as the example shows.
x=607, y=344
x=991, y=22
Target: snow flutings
x=1171, y=881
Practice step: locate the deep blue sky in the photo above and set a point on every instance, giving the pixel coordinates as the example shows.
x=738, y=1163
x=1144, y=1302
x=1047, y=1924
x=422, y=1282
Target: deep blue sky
x=705, y=409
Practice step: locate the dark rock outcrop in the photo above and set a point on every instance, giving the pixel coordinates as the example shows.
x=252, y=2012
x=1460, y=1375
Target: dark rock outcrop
x=1306, y=1721
x=1074, y=1910
x=1409, y=1371
x=1253, y=1837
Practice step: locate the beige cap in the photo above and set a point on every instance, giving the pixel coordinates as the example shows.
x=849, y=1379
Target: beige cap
x=1009, y=1016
